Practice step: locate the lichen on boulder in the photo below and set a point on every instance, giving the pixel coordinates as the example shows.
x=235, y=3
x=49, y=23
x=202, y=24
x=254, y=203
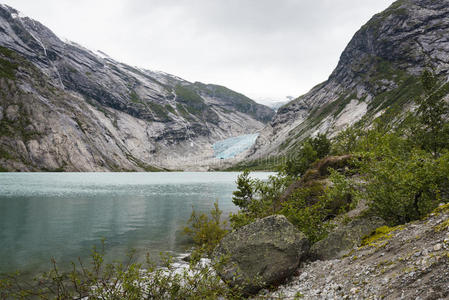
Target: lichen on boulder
x=261, y=254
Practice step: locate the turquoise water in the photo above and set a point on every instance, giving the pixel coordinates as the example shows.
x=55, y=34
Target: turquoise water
x=62, y=215
x=229, y=148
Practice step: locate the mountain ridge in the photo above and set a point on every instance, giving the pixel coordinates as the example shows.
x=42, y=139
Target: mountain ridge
x=378, y=71
x=159, y=119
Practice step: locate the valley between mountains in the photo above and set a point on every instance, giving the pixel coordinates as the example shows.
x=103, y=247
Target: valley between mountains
x=67, y=108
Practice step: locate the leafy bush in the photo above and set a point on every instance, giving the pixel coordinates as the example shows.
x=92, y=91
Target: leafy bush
x=307, y=210
x=245, y=190
x=403, y=189
x=312, y=207
x=311, y=150
x=309, y=207
x=321, y=144
x=256, y=198
x=432, y=113
x=132, y=281
x=206, y=232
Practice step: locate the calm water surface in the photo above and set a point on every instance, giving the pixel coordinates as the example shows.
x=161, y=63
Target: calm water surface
x=62, y=215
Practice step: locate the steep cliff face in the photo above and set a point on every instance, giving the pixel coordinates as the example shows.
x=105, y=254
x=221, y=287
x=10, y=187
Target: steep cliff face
x=68, y=108
x=377, y=71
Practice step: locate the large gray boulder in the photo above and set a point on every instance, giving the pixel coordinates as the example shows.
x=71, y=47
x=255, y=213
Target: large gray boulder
x=344, y=238
x=261, y=254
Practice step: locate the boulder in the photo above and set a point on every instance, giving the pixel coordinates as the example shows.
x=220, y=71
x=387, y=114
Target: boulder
x=260, y=254
x=344, y=238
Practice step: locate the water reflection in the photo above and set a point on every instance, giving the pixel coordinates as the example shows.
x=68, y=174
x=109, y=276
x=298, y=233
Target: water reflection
x=64, y=215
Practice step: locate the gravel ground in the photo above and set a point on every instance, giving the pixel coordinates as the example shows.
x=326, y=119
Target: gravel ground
x=410, y=262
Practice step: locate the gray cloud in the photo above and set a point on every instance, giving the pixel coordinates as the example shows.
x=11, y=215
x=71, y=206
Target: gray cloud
x=262, y=48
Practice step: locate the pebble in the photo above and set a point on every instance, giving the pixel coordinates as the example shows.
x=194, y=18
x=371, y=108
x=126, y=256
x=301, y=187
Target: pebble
x=437, y=247
x=303, y=276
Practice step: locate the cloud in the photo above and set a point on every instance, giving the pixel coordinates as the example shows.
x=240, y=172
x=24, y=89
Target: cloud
x=262, y=48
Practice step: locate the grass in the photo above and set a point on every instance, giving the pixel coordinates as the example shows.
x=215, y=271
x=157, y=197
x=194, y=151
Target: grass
x=380, y=236
x=7, y=67
x=183, y=111
x=194, y=104
x=134, y=98
x=170, y=108
x=142, y=165
x=238, y=101
x=5, y=154
x=159, y=111
x=188, y=96
x=266, y=164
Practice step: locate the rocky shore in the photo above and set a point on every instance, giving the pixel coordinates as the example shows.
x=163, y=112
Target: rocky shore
x=410, y=261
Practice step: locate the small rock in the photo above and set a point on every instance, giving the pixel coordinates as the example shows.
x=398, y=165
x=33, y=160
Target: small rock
x=353, y=290
x=303, y=276
x=437, y=247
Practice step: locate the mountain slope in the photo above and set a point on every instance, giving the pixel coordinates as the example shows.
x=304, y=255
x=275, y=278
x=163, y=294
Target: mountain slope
x=378, y=71
x=88, y=112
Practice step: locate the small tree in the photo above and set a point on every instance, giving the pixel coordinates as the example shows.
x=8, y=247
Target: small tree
x=245, y=190
x=432, y=111
x=321, y=144
x=298, y=165
x=206, y=231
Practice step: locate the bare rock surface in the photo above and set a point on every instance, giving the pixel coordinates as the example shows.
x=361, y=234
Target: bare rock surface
x=261, y=254
x=378, y=70
x=89, y=112
x=406, y=262
x=344, y=238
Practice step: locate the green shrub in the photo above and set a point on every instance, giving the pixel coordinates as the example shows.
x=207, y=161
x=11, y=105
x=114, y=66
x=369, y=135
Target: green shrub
x=432, y=113
x=307, y=211
x=206, y=231
x=256, y=198
x=403, y=189
x=311, y=150
x=298, y=166
x=133, y=281
x=309, y=207
x=245, y=190
x=312, y=207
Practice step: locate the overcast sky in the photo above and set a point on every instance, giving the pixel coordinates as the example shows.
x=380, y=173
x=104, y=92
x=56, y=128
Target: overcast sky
x=266, y=49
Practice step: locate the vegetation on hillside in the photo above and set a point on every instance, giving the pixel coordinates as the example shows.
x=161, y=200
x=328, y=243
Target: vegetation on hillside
x=400, y=169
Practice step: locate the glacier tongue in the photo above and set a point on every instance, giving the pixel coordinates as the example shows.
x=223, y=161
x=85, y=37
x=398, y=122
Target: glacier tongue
x=229, y=148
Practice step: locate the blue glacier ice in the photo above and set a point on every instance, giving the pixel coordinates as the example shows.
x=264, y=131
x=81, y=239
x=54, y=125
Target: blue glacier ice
x=229, y=148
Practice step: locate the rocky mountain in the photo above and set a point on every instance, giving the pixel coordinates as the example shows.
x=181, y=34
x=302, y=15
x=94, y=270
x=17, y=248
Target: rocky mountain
x=64, y=107
x=378, y=72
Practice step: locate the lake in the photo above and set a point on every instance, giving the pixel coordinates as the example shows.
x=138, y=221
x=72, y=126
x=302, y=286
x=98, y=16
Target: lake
x=62, y=215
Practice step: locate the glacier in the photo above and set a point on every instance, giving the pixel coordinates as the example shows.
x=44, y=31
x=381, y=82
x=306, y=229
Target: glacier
x=230, y=147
